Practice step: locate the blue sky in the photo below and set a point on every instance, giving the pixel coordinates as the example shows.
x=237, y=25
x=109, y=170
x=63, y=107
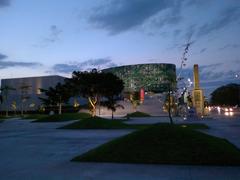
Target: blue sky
x=59, y=36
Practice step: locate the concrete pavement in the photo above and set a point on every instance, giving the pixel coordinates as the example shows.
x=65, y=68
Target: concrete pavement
x=40, y=151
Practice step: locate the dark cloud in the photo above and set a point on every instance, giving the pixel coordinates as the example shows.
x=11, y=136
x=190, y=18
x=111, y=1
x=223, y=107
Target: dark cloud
x=228, y=46
x=121, y=15
x=54, y=34
x=176, y=32
x=95, y=62
x=169, y=16
x=52, y=37
x=85, y=65
x=195, y=2
x=190, y=31
x=213, y=72
x=2, y=56
x=227, y=17
x=7, y=64
x=65, y=68
x=203, y=50
x=4, y=3
x=211, y=76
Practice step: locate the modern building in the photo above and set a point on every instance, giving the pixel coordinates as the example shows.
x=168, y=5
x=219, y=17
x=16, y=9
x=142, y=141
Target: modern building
x=28, y=90
x=151, y=77
x=150, y=80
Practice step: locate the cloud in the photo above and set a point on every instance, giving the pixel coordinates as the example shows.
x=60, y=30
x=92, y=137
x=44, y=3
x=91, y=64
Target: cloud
x=65, y=68
x=4, y=3
x=195, y=2
x=169, y=16
x=83, y=66
x=190, y=31
x=215, y=72
x=203, y=50
x=228, y=46
x=121, y=15
x=2, y=56
x=177, y=32
x=7, y=64
x=227, y=17
x=53, y=36
x=214, y=75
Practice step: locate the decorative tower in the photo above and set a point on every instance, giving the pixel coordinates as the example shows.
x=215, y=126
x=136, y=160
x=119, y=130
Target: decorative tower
x=197, y=93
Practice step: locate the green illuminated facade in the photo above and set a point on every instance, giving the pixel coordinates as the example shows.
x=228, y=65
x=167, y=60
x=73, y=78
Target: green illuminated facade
x=151, y=77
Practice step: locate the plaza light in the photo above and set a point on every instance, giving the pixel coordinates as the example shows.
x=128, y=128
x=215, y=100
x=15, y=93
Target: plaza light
x=228, y=113
x=219, y=110
x=209, y=108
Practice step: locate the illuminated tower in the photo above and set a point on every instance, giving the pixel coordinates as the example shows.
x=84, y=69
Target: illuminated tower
x=197, y=93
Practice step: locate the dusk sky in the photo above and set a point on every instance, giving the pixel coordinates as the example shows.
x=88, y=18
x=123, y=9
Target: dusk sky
x=43, y=37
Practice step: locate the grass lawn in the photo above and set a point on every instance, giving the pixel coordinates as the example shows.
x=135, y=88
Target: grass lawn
x=101, y=123
x=34, y=116
x=165, y=144
x=193, y=126
x=62, y=117
x=2, y=118
x=138, y=114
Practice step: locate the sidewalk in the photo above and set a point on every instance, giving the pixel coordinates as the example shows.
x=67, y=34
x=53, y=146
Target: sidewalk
x=40, y=151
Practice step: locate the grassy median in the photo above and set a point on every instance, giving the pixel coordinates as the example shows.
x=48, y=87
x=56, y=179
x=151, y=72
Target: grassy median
x=62, y=117
x=101, y=123
x=165, y=144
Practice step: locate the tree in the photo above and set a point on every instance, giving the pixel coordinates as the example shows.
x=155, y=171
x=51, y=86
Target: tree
x=228, y=95
x=56, y=96
x=4, y=97
x=87, y=85
x=134, y=98
x=95, y=85
x=112, y=88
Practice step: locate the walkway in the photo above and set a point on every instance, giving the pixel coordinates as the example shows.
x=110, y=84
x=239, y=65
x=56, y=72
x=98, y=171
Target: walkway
x=40, y=151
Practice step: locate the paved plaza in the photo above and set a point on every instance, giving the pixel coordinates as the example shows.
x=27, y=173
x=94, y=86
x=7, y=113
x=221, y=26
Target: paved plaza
x=40, y=151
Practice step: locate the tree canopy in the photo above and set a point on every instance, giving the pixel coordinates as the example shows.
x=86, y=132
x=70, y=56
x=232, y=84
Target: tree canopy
x=56, y=96
x=95, y=85
x=228, y=95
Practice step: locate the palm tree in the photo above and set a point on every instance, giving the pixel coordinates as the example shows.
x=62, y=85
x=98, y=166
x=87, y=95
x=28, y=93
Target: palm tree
x=24, y=95
x=56, y=96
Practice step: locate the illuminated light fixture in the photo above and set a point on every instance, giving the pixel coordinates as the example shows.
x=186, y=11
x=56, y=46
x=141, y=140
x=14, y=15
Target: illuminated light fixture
x=230, y=109
x=226, y=114
x=226, y=109
x=76, y=104
x=231, y=113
